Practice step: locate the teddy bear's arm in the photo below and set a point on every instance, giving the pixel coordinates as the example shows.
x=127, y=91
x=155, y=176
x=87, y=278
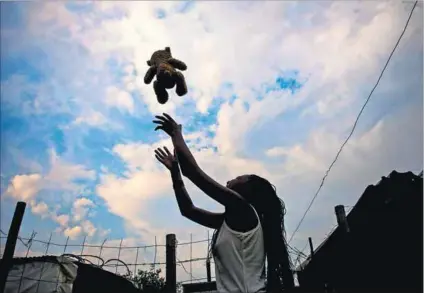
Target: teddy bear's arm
x=150, y=74
x=177, y=64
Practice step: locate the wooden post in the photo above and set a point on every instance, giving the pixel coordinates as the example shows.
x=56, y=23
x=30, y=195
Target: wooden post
x=9, y=250
x=171, y=263
x=208, y=263
x=311, y=246
x=341, y=218
x=208, y=270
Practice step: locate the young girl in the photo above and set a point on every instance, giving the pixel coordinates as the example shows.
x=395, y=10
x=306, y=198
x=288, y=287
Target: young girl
x=249, y=231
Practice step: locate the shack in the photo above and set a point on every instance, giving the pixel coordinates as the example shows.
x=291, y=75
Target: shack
x=382, y=249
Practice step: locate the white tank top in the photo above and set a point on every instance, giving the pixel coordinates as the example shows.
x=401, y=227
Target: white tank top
x=240, y=260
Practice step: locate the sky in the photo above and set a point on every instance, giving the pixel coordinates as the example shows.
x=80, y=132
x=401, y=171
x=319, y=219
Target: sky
x=274, y=89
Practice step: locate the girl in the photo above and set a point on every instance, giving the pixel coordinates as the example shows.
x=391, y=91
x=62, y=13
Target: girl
x=249, y=231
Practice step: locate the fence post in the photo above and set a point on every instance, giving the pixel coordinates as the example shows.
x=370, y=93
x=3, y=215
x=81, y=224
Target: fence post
x=208, y=263
x=171, y=263
x=208, y=270
x=341, y=218
x=191, y=258
x=12, y=237
x=311, y=246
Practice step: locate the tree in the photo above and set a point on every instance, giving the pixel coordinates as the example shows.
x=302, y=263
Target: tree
x=150, y=281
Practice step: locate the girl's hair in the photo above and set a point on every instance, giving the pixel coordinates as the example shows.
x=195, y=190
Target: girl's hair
x=271, y=210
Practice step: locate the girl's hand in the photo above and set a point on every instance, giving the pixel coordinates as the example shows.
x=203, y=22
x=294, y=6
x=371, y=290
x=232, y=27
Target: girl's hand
x=167, y=124
x=166, y=158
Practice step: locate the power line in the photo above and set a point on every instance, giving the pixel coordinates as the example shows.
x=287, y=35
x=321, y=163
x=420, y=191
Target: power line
x=354, y=125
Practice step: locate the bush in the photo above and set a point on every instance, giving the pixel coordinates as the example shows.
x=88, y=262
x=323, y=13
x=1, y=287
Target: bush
x=150, y=281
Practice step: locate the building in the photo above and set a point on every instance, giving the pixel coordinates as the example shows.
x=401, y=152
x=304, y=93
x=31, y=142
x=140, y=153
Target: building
x=48, y=274
x=383, y=250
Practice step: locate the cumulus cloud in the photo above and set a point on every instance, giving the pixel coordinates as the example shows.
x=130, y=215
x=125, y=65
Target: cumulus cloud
x=120, y=99
x=40, y=208
x=25, y=187
x=60, y=176
x=62, y=220
x=88, y=228
x=81, y=207
x=92, y=119
x=73, y=232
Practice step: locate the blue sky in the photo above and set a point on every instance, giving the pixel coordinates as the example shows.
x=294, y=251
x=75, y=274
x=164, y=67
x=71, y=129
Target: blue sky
x=275, y=98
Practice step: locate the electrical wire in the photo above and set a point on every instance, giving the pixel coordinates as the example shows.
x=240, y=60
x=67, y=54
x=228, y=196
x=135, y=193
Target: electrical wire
x=354, y=125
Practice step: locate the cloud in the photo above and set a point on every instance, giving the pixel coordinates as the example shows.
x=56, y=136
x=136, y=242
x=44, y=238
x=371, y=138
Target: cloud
x=62, y=220
x=92, y=119
x=73, y=232
x=40, y=208
x=25, y=187
x=88, y=228
x=81, y=208
x=119, y=99
x=61, y=176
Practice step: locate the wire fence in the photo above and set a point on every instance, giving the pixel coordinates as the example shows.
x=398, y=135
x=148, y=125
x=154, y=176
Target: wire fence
x=123, y=258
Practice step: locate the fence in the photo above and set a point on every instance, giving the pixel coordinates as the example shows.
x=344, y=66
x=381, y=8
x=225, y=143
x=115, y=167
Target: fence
x=121, y=259
x=192, y=263
x=181, y=262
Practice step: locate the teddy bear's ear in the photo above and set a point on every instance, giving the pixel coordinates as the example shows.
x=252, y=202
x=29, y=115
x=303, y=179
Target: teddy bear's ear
x=168, y=49
x=149, y=63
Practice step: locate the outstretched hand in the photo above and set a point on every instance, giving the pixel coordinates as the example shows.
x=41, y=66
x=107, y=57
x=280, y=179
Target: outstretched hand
x=167, y=124
x=166, y=158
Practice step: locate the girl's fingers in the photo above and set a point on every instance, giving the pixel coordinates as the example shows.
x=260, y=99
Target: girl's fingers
x=159, y=154
x=163, y=154
x=169, y=118
x=159, y=159
x=158, y=122
x=159, y=127
x=162, y=118
x=167, y=151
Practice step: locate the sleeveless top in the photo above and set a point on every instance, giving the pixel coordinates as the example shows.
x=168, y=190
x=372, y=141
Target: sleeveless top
x=240, y=260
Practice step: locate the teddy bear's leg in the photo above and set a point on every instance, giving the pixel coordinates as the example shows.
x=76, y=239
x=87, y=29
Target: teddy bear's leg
x=181, y=89
x=178, y=64
x=160, y=91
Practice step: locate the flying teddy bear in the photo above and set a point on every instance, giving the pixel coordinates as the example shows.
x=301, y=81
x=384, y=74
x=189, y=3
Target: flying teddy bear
x=164, y=67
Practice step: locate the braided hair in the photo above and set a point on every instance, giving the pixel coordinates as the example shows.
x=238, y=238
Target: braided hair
x=262, y=195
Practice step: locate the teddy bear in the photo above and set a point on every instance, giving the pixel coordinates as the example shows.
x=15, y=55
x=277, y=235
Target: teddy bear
x=164, y=67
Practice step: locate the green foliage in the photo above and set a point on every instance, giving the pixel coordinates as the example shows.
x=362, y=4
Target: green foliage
x=149, y=281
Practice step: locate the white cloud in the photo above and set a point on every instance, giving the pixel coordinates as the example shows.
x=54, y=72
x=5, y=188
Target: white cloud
x=92, y=119
x=59, y=178
x=83, y=202
x=62, y=220
x=24, y=187
x=80, y=208
x=88, y=228
x=73, y=232
x=40, y=208
x=120, y=99
x=62, y=174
